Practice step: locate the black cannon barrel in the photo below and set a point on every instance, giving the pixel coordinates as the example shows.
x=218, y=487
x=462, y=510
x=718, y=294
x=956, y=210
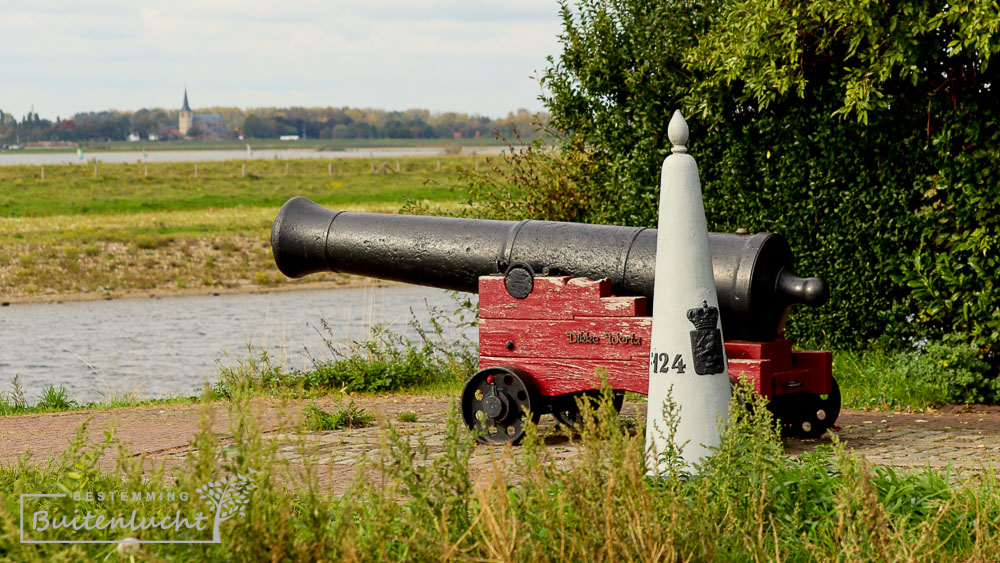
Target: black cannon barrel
x=753, y=274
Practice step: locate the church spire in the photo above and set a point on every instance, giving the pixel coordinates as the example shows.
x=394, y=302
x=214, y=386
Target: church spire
x=185, y=107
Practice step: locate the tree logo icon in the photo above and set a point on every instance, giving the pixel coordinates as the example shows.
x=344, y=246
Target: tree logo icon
x=229, y=496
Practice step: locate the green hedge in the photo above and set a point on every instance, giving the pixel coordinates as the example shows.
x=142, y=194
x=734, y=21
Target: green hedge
x=874, y=151
x=837, y=190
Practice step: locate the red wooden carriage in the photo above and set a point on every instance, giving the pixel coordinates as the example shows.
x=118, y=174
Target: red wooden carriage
x=541, y=353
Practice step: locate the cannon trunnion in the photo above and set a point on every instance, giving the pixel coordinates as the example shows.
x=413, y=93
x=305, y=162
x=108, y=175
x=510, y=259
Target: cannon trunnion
x=562, y=302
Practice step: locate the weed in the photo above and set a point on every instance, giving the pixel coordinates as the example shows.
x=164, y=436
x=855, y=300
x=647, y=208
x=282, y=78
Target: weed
x=351, y=416
x=261, y=278
x=58, y=399
x=55, y=399
x=386, y=361
x=747, y=502
x=227, y=246
x=958, y=372
x=407, y=416
x=255, y=373
x=13, y=402
x=17, y=393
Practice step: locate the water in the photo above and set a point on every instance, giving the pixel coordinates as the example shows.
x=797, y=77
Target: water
x=161, y=347
x=14, y=157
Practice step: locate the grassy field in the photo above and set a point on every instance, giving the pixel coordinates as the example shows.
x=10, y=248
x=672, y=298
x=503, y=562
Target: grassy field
x=134, y=227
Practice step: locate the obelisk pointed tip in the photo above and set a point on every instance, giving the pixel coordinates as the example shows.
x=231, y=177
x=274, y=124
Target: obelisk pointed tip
x=678, y=132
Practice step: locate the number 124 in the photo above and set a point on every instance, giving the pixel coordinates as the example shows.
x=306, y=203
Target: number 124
x=660, y=363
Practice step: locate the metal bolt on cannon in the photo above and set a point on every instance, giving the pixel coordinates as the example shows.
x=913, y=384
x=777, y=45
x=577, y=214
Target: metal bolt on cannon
x=561, y=302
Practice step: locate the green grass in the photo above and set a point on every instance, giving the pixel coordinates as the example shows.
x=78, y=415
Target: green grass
x=57, y=399
x=351, y=416
x=72, y=189
x=941, y=373
x=747, y=503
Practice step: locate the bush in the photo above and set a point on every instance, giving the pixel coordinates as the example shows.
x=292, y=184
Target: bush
x=255, y=373
x=952, y=275
x=873, y=151
x=957, y=372
x=536, y=181
x=940, y=372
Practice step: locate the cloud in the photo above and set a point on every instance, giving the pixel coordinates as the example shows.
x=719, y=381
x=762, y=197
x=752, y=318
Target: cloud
x=479, y=56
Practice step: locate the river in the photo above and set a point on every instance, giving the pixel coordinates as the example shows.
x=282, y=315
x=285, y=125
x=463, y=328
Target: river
x=166, y=346
x=9, y=158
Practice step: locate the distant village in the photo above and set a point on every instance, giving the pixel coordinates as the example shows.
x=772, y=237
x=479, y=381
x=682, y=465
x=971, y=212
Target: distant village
x=291, y=124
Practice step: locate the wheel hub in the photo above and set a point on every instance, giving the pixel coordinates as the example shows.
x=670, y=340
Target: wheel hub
x=494, y=407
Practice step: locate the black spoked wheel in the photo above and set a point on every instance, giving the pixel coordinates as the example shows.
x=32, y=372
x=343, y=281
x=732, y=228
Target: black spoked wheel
x=809, y=415
x=566, y=410
x=496, y=403
x=827, y=407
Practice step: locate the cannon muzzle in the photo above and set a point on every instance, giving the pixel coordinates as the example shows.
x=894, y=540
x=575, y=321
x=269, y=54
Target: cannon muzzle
x=753, y=275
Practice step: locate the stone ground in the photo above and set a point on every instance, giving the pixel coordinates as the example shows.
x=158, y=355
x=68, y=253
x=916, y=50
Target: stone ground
x=965, y=438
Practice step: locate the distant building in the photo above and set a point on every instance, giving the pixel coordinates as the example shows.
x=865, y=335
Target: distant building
x=288, y=138
x=186, y=119
x=207, y=124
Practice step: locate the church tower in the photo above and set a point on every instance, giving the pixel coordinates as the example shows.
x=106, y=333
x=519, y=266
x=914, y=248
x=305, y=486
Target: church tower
x=186, y=119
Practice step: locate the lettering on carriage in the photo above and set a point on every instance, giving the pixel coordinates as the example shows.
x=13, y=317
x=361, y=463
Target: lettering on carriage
x=613, y=338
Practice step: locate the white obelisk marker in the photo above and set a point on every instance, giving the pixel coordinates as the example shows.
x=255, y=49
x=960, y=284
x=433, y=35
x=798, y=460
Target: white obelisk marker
x=687, y=360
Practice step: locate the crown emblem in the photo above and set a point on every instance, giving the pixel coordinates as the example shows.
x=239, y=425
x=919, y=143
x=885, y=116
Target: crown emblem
x=704, y=317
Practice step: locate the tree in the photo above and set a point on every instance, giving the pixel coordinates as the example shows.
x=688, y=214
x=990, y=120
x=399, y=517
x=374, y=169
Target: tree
x=253, y=127
x=860, y=130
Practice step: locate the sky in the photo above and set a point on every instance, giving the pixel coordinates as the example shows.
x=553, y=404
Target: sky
x=472, y=56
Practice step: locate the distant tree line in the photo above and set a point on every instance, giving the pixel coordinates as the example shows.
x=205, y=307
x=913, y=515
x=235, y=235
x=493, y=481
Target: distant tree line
x=270, y=123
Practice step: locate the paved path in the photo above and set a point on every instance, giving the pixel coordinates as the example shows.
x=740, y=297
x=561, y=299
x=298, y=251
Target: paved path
x=966, y=441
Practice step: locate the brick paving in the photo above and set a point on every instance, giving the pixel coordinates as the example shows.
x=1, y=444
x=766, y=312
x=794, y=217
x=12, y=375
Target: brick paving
x=965, y=441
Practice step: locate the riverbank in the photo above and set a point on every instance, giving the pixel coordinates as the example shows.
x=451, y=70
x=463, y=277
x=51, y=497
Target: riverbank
x=338, y=281
x=183, y=231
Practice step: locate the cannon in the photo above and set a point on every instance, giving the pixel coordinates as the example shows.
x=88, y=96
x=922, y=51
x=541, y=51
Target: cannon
x=560, y=302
